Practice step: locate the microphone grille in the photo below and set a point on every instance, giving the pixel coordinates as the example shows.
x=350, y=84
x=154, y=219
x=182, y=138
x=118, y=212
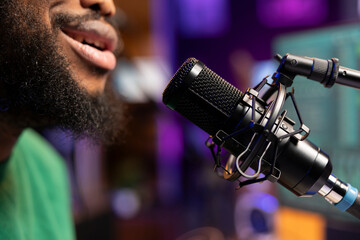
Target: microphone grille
x=205, y=99
x=176, y=84
x=217, y=91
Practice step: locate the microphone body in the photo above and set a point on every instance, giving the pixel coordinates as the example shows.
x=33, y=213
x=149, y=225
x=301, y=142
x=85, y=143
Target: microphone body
x=213, y=104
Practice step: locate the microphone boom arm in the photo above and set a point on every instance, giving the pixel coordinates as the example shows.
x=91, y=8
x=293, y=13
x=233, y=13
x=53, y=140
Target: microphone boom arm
x=327, y=72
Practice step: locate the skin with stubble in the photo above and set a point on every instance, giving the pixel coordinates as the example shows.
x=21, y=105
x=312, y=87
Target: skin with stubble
x=55, y=60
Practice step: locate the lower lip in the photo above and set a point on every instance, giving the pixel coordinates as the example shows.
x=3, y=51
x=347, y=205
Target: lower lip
x=102, y=59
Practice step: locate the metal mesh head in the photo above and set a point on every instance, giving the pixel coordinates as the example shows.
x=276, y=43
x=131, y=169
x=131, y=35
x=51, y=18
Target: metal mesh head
x=177, y=81
x=206, y=99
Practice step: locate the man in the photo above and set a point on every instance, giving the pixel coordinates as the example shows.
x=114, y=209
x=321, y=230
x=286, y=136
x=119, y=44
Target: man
x=55, y=58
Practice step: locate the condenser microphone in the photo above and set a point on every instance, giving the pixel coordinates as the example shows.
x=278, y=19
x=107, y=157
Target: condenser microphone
x=258, y=134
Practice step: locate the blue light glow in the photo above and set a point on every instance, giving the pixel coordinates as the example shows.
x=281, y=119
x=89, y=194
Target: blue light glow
x=267, y=203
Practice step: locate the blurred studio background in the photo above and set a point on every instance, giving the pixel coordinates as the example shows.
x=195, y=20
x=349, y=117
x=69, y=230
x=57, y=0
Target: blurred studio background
x=158, y=182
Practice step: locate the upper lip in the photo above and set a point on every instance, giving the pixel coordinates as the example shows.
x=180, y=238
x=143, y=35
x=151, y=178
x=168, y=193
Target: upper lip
x=96, y=30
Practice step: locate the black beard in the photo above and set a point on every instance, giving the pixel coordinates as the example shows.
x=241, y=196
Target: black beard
x=37, y=89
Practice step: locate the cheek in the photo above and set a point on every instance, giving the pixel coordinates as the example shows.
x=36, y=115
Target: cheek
x=39, y=9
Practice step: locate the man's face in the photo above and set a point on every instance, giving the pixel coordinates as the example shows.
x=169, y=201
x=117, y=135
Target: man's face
x=85, y=38
x=55, y=60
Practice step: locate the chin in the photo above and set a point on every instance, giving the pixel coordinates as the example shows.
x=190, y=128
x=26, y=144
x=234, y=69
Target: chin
x=93, y=81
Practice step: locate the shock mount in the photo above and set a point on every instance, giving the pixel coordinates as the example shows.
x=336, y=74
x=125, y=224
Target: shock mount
x=264, y=131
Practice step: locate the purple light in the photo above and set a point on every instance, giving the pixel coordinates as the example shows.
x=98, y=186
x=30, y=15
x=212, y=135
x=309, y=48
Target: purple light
x=170, y=140
x=203, y=18
x=169, y=155
x=282, y=13
x=126, y=203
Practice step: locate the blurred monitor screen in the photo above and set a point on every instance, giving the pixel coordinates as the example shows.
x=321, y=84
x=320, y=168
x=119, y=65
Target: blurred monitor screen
x=331, y=114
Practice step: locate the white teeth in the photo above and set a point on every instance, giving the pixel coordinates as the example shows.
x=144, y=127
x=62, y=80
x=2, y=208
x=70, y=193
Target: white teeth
x=79, y=38
x=88, y=40
x=99, y=44
x=96, y=43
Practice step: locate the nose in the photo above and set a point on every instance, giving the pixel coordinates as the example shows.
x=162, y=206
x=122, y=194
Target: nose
x=105, y=7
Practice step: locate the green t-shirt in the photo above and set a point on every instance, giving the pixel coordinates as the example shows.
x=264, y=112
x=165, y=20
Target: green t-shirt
x=34, y=192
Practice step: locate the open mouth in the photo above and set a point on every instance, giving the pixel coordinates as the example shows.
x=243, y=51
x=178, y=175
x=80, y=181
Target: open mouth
x=98, y=44
x=93, y=41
